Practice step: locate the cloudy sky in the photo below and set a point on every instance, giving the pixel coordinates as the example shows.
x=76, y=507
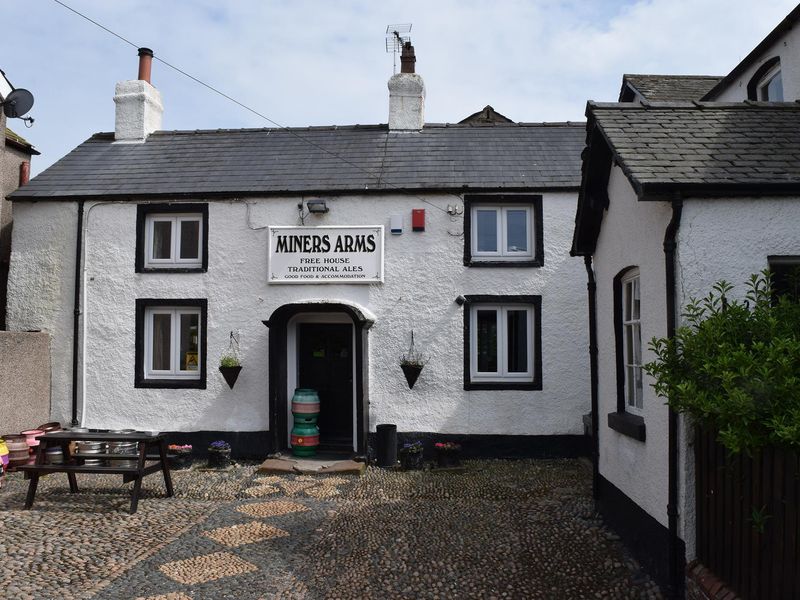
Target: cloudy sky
x=323, y=62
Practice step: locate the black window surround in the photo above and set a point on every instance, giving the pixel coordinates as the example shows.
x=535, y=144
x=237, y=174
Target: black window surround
x=139, y=379
x=623, y=421
x=534, y=200
x=143, y=210
x=530, y=300
x=784, y=270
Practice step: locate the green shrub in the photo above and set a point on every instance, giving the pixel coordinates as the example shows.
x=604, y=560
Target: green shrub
x=736, y=366
x=229, y=360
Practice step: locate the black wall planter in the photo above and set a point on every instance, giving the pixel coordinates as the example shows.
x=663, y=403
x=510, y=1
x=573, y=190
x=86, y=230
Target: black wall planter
x=412, y=373
x=231, y=374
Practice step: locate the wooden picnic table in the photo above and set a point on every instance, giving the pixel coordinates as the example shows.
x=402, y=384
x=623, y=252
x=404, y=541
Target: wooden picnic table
x=73, y=461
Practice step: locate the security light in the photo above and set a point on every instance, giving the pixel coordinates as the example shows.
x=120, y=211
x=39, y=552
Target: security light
x=317, y=206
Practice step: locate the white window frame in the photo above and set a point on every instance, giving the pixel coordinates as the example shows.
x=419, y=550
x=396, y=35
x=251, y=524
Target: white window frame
x=631, y=286
x=174, y=261
x=763, y=84
x=175, y=313
x=502, y=253
x=501, y=375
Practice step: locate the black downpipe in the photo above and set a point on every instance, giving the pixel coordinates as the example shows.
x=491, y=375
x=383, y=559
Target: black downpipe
x=676, y=576
x=76, y=315
x=591, y=286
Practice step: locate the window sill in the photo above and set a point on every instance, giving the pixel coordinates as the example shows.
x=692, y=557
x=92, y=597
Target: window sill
x=503, y=263
x=173, y=270
x=627, y=424
x=172, y=384
x=500, y=385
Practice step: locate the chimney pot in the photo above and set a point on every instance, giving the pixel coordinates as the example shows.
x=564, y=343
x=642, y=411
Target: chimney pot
x=145, y=64
x=24, y=172
x=407, y=58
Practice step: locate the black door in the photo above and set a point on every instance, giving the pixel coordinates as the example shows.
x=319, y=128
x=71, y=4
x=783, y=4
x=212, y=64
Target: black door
x=325, y=364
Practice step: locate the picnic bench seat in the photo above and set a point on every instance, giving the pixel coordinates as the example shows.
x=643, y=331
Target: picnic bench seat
x=145, y=463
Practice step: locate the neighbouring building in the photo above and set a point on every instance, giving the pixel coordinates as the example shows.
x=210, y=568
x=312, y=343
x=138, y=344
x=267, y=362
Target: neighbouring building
x=314, y=254
x=686, y=181
x=15, y=168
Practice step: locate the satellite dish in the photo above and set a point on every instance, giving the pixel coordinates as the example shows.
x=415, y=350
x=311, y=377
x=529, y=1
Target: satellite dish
x=17, y=103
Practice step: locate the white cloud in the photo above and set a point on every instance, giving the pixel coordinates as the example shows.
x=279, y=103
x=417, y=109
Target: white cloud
x=315, y=62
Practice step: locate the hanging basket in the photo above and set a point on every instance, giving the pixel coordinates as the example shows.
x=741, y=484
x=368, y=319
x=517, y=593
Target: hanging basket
x=231, y=374
x=412, y=374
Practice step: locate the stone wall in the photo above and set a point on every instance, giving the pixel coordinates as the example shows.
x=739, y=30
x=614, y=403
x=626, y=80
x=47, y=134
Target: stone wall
x=24, y=380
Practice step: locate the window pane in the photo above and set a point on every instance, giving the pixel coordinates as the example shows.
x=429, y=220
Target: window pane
x=639, y=391
x=773, y=91
x=517, y=341
x=635, y=303
x=628, y=344
x=517, y=230
x=631, y=398
x=637, y=344
x=487, y=341
x=162, y=239
x=188, y=341
x=487, y=230
x=190, y=238
x=162, y=329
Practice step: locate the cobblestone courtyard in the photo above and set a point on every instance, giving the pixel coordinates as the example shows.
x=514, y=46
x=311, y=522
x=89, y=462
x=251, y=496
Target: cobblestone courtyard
x=501, y=529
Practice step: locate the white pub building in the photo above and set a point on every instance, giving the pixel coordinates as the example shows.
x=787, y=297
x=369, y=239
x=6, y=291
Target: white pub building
x=143, y=252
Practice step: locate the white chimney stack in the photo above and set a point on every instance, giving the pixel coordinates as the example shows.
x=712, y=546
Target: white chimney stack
x=139, y=107
x=406, y=94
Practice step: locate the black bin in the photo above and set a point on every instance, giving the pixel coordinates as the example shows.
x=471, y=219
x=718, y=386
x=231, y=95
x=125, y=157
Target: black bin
x=387, y=445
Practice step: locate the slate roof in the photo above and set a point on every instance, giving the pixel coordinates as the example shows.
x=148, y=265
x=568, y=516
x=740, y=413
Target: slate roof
x=16, y=140
x=317, y=160
x=670, y=88
x=694, y=149
x=694, y=145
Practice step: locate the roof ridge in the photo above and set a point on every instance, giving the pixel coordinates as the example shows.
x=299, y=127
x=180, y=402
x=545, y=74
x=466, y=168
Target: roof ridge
x=695, y=104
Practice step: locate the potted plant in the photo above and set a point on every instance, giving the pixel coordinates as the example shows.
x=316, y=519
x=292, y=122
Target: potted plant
x=448, y=454
x=180, y=456
x=229, y=366
x=219, y=455
x=411, y=456
x=412, y=363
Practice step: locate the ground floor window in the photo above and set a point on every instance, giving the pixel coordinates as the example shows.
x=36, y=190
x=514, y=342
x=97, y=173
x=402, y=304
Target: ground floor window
x=502, y=342
x=170, y=343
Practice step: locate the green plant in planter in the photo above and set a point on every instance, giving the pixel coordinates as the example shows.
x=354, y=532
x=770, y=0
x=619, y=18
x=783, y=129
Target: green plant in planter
x=735, y=366
x=229, y=360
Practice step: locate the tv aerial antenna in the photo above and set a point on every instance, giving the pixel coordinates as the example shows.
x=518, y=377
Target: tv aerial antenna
x=396, y=36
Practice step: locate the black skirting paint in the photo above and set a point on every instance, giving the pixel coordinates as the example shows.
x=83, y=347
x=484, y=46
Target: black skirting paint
x=244, y=444
x=646, y=539
x=500, y=446
x=256, y=445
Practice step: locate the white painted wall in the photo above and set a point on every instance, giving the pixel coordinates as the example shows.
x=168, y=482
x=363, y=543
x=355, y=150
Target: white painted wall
x=631, y=235
x=40, y=289
x=788, y=49
x=424, y=273
x=726, y=239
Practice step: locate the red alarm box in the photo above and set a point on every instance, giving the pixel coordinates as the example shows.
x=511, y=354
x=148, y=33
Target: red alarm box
x=418, y=219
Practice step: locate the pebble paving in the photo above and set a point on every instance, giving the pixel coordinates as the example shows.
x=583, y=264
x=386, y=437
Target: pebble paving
x=496, y=529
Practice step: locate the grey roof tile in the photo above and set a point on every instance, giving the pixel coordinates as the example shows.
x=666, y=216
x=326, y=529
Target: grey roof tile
x=671, y=88
x=703, y=144
x=268, y=161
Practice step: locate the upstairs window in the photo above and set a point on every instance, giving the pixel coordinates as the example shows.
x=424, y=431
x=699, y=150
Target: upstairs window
x=766, y=84
x=172, y=237
x=173, y=240
x=503, y=231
